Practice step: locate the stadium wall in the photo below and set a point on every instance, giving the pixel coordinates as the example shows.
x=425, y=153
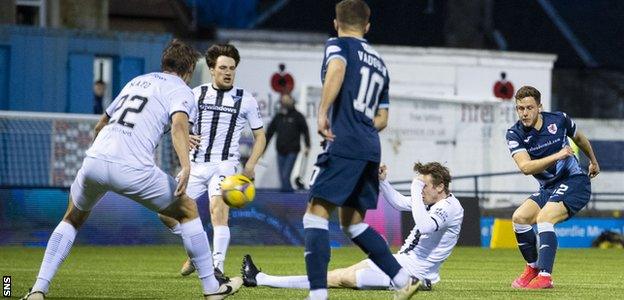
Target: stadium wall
x=52, y=69
x=448, y=75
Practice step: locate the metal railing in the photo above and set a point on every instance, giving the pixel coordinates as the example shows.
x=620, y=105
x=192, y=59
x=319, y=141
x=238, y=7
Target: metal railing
x=596, y=197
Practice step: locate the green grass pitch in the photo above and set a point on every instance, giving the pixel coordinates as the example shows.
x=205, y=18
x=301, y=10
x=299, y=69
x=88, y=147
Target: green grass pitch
x=151, y=272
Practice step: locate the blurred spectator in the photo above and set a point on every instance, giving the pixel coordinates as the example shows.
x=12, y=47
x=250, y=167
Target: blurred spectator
x=99, y=89
x=289, y=125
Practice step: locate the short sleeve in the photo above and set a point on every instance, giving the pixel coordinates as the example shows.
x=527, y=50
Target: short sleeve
x=252, y=113
x=514, y=142
x=335, y=48
x=570, y=126
x=384, y=99
x=182, y=100
x=116, y=104
x=440, y=213
x=110, y=110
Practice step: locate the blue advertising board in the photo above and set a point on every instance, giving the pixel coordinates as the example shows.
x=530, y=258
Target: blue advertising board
x=574, y=233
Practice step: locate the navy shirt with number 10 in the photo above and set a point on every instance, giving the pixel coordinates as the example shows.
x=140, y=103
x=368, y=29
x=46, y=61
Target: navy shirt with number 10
x=364, y=90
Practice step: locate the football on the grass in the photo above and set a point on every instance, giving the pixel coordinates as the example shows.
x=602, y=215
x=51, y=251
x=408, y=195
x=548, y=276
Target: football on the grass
x=237, y=190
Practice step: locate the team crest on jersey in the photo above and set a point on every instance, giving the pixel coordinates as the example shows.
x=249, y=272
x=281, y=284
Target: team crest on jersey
x=552, y=128
x=236, y=98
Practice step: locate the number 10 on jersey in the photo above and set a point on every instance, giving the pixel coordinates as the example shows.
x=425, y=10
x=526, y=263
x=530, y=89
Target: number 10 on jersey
x=369, y=84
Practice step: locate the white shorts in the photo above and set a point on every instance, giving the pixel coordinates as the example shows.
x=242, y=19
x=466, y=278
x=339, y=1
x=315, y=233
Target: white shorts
x=409, y=264
x=207, y=176
x=150, y=187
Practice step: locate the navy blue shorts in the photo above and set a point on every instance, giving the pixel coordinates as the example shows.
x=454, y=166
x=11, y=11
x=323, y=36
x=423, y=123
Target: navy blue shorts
x=346, y=182
x=574, y=192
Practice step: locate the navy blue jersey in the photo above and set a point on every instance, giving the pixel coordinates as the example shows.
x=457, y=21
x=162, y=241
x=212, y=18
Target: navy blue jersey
x=364, y=90
x=556, y=127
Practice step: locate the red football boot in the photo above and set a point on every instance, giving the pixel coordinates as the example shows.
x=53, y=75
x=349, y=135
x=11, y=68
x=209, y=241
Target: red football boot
x=523, y=280
x=540, y=282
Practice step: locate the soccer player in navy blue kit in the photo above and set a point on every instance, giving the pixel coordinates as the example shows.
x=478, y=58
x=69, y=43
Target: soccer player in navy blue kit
x=354, y=107
x=539, y=145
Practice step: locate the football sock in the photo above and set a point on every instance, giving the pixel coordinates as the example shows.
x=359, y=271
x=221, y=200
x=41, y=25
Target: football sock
x=548, y=247
x=221, y=241
x=176, y=229
x=377, y=250
x=58, y=247
x=287, y=282
x=197, y=247
x=527, y=242
x=371, y=279
x=317, y=254
x=319, y=294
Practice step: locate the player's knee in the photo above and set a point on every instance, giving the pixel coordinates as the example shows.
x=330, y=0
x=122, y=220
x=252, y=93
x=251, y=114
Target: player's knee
x=219, y=211
x=354, y=230
x=520, y=217
x=341, y=278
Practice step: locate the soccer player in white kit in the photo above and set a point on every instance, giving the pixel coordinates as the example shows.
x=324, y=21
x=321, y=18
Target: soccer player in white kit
x=121, y=160
x=438, y=216
x=223, y=112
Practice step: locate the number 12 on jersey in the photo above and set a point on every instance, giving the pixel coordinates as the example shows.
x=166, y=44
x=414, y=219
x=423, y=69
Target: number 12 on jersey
x=369, y=84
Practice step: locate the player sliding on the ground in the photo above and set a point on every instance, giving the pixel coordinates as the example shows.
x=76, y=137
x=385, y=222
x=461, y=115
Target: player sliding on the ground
x=438, y=217
x=538, y=143
x=121, y=160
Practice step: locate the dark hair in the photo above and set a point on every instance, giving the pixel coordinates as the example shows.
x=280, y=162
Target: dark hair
x=221, y=50
x=528, y=91
x=179, y=58
x=100, y=81
x=439, y=173
x=353, y=13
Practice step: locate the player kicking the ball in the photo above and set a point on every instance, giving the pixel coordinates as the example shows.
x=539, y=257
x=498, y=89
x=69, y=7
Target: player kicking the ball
x=538, y=143
x=223, y=112
x=121, y=160
x=438, y=217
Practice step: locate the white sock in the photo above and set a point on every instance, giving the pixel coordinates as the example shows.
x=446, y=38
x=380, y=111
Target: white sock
x=401, y=279
x=58, y=247
x=197, y=247
x=176, y=229
x=369, y=279
x=319, y=294
x=221, y=241
x=286, y=282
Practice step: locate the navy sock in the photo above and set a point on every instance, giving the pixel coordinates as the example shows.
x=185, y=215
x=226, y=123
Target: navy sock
x=548, y=247
x=377, y=250
x=317, y=253
x=527, y=243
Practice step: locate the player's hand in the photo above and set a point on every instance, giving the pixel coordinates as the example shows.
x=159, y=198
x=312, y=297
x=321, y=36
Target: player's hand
x=194, y=141
x=565, y=152
x=324, y=129
x=593, y=169
x=306, y=151
x=249, y=172
x=383, y=172
x=183, y=178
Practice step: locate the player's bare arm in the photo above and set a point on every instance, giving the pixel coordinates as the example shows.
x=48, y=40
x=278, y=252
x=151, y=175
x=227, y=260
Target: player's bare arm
x=100, y=124
x=334, y=77
x=583, y=142
x=381, y=119
x=180, y=138
x=256, y=152
x=530, y=166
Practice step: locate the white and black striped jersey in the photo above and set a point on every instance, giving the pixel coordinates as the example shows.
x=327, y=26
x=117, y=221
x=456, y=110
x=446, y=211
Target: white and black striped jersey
x=138, y=117
x=221, y=117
